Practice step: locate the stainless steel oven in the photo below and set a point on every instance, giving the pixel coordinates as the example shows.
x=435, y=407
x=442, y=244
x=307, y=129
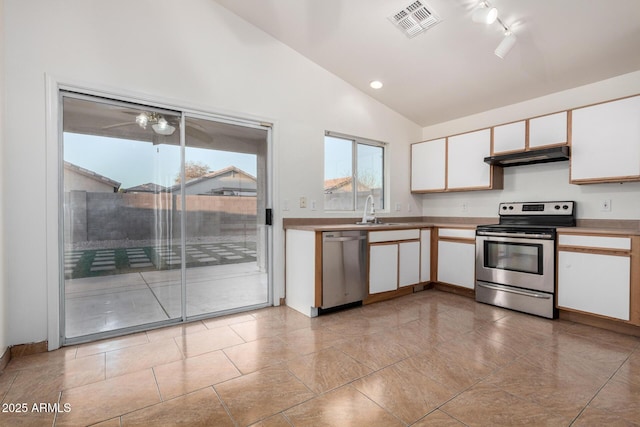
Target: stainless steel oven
x=515, y=259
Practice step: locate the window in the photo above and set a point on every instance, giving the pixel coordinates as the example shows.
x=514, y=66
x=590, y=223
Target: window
x=349, y=160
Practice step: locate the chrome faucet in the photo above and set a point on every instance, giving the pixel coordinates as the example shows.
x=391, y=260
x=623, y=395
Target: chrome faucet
x=372, y=215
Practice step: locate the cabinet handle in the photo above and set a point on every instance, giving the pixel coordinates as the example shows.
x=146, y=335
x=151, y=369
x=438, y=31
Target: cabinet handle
x=514, y=291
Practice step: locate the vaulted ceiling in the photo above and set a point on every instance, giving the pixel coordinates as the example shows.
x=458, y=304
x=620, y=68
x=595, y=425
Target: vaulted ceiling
x=450, y=70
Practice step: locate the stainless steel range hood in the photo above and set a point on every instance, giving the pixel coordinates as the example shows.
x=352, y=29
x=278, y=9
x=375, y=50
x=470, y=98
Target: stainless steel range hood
x=545, y=155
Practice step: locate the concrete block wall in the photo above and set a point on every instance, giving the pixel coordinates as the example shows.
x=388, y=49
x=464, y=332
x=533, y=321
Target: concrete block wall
x=141, y=216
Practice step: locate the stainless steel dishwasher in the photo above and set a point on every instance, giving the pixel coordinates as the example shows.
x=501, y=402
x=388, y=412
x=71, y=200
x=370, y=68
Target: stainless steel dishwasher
x=344, y=267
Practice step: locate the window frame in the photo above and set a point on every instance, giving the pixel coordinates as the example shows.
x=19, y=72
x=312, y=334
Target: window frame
x=355, y=141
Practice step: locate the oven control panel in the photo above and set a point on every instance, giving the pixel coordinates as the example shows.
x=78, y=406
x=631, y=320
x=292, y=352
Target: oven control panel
x=536, y=208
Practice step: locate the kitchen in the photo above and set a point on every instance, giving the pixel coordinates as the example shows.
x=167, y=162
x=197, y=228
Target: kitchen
x=75, y=42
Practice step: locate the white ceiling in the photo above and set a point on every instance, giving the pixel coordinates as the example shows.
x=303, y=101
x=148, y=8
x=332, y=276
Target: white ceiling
x=450, y=71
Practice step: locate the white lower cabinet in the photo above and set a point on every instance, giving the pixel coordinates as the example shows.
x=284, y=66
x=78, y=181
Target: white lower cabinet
x=394, y=259
x=409, y=263
x=456, y=263
x=425, y=255
x=594, y=283
x=594, y=274
x=383, y=268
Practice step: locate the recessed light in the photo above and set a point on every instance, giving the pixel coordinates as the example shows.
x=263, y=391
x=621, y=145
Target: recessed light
x=376, y=84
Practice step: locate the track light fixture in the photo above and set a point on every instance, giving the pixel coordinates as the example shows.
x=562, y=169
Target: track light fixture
x=506, y=44
x=486, y=14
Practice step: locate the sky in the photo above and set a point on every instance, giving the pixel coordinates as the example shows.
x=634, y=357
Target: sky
x=338, y=163
x=135, y=162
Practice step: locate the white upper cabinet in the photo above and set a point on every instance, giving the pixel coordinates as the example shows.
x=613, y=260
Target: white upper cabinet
x=548, y=130
x=509, y=137
x=605, y=142
x=466, y=168
x=428, y=160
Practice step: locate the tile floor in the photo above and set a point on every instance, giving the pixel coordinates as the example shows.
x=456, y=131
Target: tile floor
x=106, y=303
x=427, y=359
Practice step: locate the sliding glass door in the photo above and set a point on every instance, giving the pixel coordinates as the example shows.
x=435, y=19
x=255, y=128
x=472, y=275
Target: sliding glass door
x=160, y=224
x=224, y=202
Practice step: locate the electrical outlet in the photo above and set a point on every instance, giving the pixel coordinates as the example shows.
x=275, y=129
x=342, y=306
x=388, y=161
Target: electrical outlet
x=398, y=207
x=465, y=206
x=303, y=202
x=408, y=207
x=313, y=205
x=605, y=205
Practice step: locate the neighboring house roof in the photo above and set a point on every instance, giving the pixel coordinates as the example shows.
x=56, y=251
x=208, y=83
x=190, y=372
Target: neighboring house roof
x=92, y=175
x=220, y=172
x=218, y=183
x=149, y=187
x=341, y=185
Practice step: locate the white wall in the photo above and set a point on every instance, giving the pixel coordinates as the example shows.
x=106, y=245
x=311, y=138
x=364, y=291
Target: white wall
x=544, y=181
x=3, y=275
x=196, y=55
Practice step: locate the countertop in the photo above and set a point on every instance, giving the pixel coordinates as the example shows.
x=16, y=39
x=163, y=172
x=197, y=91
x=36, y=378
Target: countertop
x=600, y=230
x=375, y=227
x=606, y=227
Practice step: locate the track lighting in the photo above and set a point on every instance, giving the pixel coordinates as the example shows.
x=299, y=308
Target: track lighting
x=506, y=44
x=485, y=14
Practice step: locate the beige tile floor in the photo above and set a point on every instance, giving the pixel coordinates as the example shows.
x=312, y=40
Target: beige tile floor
x=106, y=303
x=427, y=359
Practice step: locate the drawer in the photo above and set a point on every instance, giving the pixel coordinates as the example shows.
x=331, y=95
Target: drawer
x=605, y=242
x=458, y=233
x=393, y=235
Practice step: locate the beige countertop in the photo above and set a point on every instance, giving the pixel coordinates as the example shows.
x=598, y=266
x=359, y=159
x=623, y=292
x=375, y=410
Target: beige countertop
x=600, y=230
x=374, y=227
x=608, y=227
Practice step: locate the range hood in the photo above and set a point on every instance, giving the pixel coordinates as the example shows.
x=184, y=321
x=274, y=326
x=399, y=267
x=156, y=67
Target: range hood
x=545, y=155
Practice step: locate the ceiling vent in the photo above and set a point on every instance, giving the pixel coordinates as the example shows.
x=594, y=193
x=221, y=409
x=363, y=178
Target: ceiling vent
x=415, y=19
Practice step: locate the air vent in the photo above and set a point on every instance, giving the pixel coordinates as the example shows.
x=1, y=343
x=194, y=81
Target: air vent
x=415, y=19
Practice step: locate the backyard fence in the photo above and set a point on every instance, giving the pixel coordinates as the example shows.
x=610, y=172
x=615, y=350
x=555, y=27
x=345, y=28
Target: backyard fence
x=95, y=216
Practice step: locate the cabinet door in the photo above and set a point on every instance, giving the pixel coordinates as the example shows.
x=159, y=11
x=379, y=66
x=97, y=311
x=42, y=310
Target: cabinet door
x=428, y=165
x=456, y=263
x=466, y=166
x=605, y=141
x=425, y=255
x=383, y=268
x=509, y=137
x=594, y=283
x=409, y=263
x=548, y=130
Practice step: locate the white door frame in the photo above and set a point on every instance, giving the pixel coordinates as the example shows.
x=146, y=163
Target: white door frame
x=55, y=192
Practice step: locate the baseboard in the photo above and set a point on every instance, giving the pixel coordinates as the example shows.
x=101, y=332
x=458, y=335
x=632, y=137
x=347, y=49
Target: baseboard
x=4, y=360
x=27, y=349
x=458, y=290
x=598, y=322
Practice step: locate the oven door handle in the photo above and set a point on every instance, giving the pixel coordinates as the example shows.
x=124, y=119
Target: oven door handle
x=515, y=235
x=514, y=291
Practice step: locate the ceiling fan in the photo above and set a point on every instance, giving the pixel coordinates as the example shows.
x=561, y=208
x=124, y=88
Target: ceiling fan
x=158, y=123
x=161, y=126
